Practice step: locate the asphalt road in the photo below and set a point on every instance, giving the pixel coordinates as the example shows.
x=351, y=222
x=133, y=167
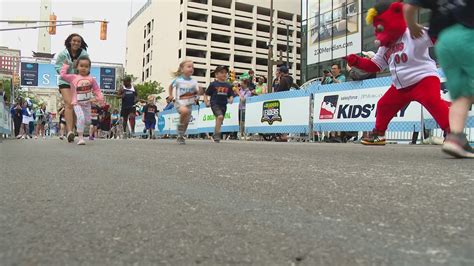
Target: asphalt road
x=141, y=202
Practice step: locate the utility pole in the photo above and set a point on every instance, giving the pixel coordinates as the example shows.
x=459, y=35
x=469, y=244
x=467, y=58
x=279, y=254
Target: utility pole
x=288, y=46
x=270, y=51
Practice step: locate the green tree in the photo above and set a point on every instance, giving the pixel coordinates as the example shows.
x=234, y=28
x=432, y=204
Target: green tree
x=149, y=88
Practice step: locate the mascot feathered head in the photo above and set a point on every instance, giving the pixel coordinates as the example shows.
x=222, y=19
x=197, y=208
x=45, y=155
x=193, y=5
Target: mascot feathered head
x=388, y=21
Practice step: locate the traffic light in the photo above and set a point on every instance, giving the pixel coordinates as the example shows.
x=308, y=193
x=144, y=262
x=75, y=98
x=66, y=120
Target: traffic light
x=52, y=24
x=103, y=30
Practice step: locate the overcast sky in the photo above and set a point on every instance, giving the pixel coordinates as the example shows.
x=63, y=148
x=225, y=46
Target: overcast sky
x=117, y=12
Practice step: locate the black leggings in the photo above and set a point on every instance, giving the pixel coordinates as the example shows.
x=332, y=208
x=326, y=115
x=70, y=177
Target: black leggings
x=17, y=124
x=126, y=115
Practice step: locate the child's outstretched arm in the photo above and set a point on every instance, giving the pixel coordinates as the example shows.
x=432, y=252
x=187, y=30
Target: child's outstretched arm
x=170, y=91
x=64, y=75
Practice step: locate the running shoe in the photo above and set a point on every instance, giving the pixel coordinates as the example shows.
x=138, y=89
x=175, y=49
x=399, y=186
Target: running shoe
x=91, y=137
x=216, y=139
x=61, y=137
x=457, y=146
x=375, y=139
x=81, y=142
x=70, y=137
x=181, y=140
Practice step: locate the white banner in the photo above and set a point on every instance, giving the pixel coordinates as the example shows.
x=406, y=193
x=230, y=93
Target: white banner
x=4, y=118
x=334, y=29
x=354, y=110
x=207, y=120
x=292, y=113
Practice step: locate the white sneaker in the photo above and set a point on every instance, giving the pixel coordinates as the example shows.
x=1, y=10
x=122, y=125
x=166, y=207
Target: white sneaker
x=81, y=142
x=36, y=137
x=23, y=137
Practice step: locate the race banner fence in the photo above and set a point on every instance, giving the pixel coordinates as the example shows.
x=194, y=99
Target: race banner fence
x=349, y=106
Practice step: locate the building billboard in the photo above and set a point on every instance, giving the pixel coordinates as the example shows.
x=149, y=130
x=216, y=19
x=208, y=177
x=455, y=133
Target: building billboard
x=44, y=75
x=334, y=29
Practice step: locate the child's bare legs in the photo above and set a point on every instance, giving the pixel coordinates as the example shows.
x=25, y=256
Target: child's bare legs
x=61, y=130
x=458, y=114
x=217, y=128
x=183, y=119
x=219, y=121
x=185, y=114
x=26, y=131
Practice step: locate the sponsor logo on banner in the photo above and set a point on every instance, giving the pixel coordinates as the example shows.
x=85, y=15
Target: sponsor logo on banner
x=213, y=117
x=271, y=112
x=161, y=123
x=328, y=107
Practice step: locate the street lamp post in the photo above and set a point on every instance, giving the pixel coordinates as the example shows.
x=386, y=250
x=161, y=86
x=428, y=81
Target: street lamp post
x=270, y=51
x=287, y=42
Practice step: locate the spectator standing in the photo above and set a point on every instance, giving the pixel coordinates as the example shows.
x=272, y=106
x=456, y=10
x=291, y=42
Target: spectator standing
x=41, y=119
x=276, y=81
x=169, y=104
x=27, y=116
x=286, y=81
x=336, y=75
x=17, y=117
x=261, y=86
x=244, y=94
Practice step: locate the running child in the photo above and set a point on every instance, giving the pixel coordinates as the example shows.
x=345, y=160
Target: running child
x=149, y=116
x=186, y=90
x=41, y=118
x=221, y=93
x=95, y=118
x=453, y=23
x=62, y=122
x=116, y=127
x=82, y=88
x=105, y=122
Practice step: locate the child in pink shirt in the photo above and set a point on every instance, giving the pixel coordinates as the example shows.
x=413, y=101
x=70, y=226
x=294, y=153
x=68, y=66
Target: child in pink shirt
x=82, y=87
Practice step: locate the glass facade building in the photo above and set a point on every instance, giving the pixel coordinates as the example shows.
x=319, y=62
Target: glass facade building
x=315, y=23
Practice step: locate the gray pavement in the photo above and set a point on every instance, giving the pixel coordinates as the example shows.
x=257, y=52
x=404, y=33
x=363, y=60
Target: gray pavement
x=141, y=202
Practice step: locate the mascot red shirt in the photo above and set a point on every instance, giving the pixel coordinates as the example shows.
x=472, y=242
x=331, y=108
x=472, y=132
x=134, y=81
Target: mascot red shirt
x=414, y=74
